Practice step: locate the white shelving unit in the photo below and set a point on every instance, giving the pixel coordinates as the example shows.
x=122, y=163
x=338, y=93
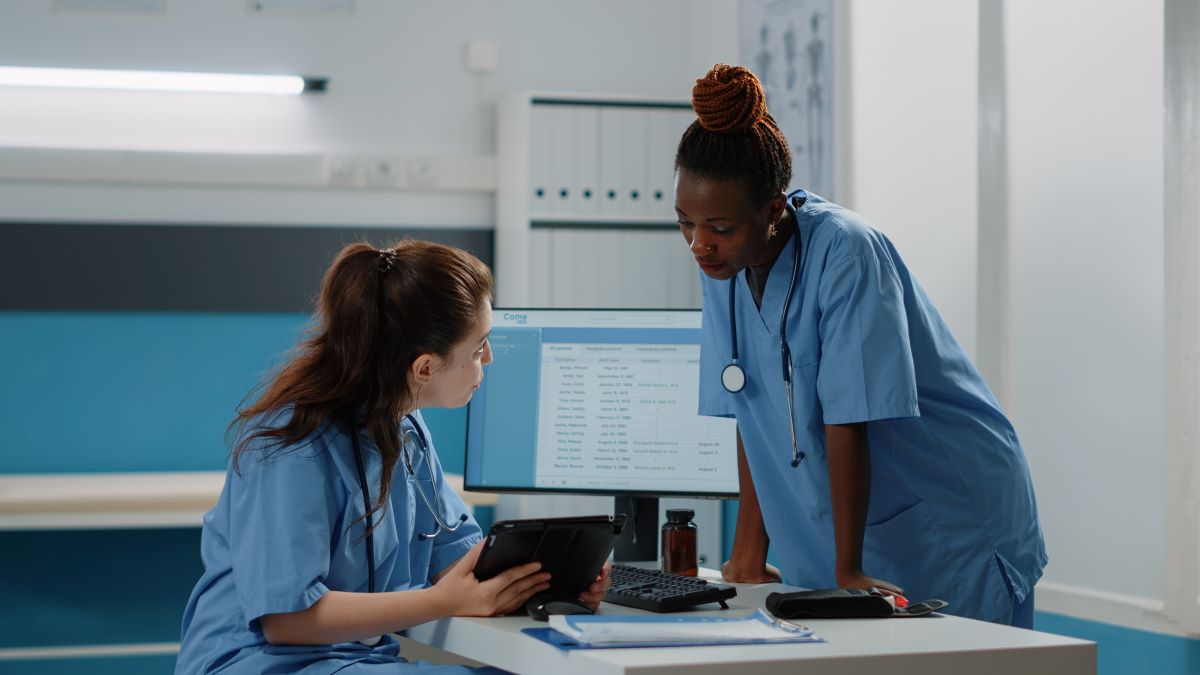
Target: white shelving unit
x=584, y=208
x=585, y=217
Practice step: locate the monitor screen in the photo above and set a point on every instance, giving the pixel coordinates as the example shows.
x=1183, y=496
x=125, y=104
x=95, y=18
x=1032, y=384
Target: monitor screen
x=597, y=401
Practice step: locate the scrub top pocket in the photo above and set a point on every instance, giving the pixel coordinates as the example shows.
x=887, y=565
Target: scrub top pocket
x=908, y=550
x=810, y=424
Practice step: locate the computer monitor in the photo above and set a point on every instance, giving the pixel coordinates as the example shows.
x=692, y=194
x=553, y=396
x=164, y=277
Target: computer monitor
x=599, y=401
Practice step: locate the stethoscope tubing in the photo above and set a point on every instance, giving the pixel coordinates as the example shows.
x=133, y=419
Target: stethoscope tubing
x=738, y=374
x=439, y=522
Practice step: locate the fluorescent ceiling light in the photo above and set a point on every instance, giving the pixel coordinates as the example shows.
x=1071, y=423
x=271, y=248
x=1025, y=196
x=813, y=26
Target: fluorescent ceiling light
x=153, y=80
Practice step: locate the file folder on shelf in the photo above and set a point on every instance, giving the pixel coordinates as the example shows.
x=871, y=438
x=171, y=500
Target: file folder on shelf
x=540, y=147
x=586, y=188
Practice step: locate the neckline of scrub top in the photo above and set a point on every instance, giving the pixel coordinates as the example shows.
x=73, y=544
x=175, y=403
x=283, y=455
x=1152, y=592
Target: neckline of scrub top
x=780, y=276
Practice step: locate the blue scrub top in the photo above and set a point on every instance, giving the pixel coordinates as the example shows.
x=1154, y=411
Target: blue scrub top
x=952, y=513
x=286, y=530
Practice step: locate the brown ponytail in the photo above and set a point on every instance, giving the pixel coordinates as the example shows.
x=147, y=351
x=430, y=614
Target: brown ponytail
x=378, y=310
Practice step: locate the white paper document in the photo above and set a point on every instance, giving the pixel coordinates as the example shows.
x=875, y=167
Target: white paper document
x=755, y=627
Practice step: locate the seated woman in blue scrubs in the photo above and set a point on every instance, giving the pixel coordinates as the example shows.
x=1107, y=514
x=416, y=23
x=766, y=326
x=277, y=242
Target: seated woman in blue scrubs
x=890, y=463
x=293, y=582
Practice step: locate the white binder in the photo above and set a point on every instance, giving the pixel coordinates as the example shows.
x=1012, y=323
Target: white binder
x=585, y=189
x=539, y=160
x=562, y=160
x=612, y=198
x=665, y=128
x=633, y=161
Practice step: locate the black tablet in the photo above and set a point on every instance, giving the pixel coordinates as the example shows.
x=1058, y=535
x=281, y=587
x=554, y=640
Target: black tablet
x=572, y=550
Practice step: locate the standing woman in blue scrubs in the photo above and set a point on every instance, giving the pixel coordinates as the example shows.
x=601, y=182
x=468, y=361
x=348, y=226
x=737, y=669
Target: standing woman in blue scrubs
x=887, y=461
x=336, y=527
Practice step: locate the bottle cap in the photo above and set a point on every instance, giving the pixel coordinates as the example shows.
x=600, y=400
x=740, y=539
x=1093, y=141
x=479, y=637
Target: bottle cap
x=680, y=515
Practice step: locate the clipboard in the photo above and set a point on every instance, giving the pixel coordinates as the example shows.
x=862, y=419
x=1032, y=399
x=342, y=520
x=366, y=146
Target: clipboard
x=572, y=550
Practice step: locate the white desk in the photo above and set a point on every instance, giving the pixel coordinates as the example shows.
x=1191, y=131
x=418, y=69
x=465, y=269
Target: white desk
x=935, y=645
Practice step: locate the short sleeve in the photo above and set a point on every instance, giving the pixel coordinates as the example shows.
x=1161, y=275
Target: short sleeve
x=283, y=507
x=449, y=546
x=715, y=401
x=866, y=369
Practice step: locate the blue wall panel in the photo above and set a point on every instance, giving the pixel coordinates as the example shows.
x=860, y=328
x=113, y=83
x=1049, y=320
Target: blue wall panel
x=1123, y=650
x=94, y=392
x=90, y=392
x=157, y=664
x=95, y=587
x=85, y=392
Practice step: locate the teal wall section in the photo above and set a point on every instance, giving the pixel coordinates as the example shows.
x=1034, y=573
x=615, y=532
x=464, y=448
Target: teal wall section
x=105, y=391
x=90, y=392
x=87, y=392
x=1123, y=650
x=84, y=392
x=107, y=665
x=95, y=587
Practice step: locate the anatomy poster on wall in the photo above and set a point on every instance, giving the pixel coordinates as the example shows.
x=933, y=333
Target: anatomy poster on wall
x=787, y=44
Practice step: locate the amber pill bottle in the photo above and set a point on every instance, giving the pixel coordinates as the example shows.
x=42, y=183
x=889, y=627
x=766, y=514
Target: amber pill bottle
x=679, y=555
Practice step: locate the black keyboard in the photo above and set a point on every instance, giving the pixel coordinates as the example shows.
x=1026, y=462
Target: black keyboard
x=661, y=592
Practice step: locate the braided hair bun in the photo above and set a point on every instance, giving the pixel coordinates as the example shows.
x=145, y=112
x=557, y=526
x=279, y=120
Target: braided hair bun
x=734, y=137
x=729, y=99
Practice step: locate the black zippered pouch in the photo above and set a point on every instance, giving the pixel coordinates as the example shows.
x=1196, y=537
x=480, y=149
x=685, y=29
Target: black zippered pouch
x=844, y=603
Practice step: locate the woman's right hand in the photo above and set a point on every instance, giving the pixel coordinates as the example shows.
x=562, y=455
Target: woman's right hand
x=743, y=574
x=464, y=595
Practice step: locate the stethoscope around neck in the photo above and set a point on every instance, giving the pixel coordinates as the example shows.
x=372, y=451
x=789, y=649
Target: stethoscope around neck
x=733, y=376
x=441, y=524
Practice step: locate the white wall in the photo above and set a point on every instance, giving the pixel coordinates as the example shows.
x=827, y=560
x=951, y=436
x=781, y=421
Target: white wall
x=1086, y=157
x=1085, y=131
x=914, y=100
x=398, y=84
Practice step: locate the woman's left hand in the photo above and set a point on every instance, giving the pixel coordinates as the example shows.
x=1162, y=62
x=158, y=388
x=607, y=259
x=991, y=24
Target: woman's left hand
x=595, y=593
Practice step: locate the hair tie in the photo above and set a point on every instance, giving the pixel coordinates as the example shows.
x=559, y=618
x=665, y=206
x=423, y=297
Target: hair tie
x=387, y=260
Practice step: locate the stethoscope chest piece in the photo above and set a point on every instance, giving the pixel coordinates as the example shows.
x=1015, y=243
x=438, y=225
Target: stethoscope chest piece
x=733, y=378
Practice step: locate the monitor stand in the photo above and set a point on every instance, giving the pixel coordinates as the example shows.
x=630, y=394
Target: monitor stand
x=639, y=540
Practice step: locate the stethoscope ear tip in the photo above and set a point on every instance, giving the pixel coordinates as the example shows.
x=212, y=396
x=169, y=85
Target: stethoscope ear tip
x=796, y=462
